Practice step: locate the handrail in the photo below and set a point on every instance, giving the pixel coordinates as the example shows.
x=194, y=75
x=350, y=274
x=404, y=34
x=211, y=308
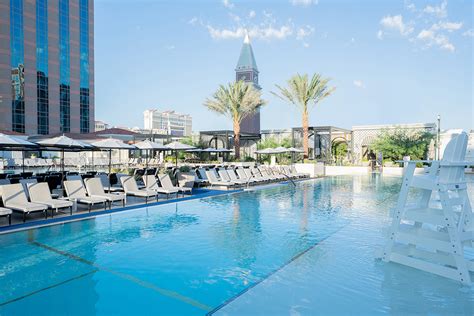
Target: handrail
x=288, y=177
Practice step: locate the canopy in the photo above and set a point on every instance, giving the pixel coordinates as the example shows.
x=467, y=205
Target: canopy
x=112, y=143
x=178, y=146
x=63, y=142
x=295, y=150
x=8, y=141
x=268, y=151
x=195, y=150
x=149, y=145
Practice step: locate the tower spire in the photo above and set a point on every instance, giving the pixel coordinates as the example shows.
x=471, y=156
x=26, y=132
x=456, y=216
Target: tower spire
x=247, y=37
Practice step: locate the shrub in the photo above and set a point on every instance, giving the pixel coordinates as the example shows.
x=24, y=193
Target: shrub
x=396, y=144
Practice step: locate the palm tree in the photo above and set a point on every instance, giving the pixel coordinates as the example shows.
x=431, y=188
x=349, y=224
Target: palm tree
x=237, y=101
x=300, y=93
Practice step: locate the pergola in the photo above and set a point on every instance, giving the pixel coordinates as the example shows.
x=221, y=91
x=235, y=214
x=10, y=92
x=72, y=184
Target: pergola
x=323, y=140
x=226, y=137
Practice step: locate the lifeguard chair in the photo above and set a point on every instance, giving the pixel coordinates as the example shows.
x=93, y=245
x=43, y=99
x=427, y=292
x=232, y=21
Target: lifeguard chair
x=432, y=234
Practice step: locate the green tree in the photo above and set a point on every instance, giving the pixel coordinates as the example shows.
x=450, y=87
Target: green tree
x=273, y=142
x=340, y=151
x=302, y=93
x=395, y=144
x=237, y=101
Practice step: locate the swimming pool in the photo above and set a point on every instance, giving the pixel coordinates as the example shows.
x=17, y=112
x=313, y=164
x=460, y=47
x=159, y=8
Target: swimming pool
x=243, y=253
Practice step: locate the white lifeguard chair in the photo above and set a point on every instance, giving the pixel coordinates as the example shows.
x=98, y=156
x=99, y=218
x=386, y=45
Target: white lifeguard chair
x=433, y=234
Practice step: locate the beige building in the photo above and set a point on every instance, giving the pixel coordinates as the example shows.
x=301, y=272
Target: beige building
x=167, y=123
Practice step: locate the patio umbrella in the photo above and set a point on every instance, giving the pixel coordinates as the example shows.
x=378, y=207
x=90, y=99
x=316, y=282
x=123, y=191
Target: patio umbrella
x=11, y=142
x=177, y=146
x=63, y=143
x=109, y=144
x=293, y=150
x=149, y=145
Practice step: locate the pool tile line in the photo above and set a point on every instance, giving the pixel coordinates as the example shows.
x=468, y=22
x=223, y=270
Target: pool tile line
x=268, y=275
x=83, y=216
x=125, y=276
x=48, y=287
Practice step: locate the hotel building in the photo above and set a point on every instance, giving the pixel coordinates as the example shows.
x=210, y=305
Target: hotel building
x=168, y=123
x=47, y=66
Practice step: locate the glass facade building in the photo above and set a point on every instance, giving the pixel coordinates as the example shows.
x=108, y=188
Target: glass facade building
x=46, y=66
x=17, y=66
x=42, y=66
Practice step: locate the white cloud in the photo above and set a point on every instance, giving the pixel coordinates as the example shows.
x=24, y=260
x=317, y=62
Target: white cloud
x=228, y=4
x=260, y=32
x=396, y=23
x=380, y=35
x=304, y=3
x=170, y=47
x=304, y=32
x=252, y=14
x=193, y=20
x=234, y=17
x=359, y=84
x=469, y=33
x=410, y=6
x=305, y=45
x=439, y=11
x=431, y=38
x=448, y=26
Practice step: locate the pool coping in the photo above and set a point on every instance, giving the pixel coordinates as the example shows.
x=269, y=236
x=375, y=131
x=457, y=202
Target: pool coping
x=85, y=216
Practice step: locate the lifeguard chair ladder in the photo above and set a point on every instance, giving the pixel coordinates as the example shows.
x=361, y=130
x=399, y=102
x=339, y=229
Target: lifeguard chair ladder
x=432, y=234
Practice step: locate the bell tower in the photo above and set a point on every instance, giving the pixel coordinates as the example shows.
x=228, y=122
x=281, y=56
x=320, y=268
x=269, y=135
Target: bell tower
x=247, y=71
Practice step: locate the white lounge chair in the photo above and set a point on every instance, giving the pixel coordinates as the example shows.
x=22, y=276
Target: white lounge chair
x=104, y=179
x=152, y=184
x=39, y=193
x=14, y=198
x=244, y=175
x=257, y=175
x=166, y=183
x=233, y=177
x=95, y=189
x=213, y=181
x=224, y=174
x=75, y=190
x=131, y=188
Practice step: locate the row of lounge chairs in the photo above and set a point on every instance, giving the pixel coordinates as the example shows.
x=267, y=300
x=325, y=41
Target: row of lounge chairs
x=235, y=177
x=29, y=196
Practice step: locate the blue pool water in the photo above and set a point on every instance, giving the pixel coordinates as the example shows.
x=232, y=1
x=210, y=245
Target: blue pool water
x=282, y=250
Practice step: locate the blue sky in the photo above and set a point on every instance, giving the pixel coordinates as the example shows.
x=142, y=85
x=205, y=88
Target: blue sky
x=391, y=61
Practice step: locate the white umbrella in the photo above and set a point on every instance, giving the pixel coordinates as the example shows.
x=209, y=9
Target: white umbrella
x=111, y=143
x=149, y=145
x=10, y=142
x=63, y=142
x=177, y=146
x=280, y=150
x=295, y=150
x=266, y=151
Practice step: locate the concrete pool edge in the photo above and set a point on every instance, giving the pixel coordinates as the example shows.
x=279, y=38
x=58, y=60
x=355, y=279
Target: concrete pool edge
x=86, y=216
